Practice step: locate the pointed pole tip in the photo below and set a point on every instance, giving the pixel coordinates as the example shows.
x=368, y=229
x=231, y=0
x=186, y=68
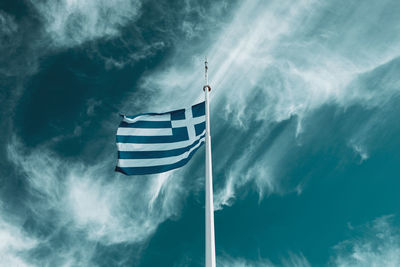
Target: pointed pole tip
x=206, y=86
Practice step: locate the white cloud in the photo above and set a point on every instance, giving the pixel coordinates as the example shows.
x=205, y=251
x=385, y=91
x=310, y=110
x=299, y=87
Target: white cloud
x=226, y=195
x=361, y=151
x=273, y=61
x=72, y=22
x=119, y=211
x=266, y=52
x=378, y=246
x=14, y=244
x=260, y=50
x=93, y=203
x=146, y=50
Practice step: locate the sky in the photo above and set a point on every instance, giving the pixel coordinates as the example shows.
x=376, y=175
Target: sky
x=304, y=127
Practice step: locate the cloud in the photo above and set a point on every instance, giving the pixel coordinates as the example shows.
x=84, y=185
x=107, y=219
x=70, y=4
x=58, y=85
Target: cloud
x=274, y=62
x=268, y=53
x=146, y=51
x=22, y=248
x=14, y=244
x=360, y=151
x=271, y=64
x=90, y=204
x=377, y=245
x=72, y=22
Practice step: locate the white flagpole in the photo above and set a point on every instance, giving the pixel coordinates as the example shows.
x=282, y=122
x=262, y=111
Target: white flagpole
x=210, y=238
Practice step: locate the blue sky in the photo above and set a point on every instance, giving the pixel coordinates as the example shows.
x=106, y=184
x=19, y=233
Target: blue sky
x=304, y=124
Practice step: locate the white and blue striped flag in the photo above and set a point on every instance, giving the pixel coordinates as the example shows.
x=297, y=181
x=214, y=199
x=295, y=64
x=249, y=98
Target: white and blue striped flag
x=158, y=142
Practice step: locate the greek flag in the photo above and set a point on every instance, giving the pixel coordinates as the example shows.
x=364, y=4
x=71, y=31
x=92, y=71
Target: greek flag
x=158, y=142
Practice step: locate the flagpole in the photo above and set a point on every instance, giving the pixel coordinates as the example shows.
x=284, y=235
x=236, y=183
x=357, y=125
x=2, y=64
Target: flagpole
x=210, y=237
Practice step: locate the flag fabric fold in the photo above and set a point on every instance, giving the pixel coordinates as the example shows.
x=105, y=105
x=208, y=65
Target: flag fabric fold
x=158, y=142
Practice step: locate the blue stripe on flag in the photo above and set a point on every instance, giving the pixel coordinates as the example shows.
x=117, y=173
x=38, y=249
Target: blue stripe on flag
x=178, y=134
x=156, y=169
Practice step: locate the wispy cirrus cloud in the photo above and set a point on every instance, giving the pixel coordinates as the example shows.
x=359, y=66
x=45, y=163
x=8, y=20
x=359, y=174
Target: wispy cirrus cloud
x=112, y=210
x=63, y=24
x=15, y=243
x=92, y=204
x=377, y=245
x=267, y=66
x=275, y=62
x=71, y=22
x=22, y=248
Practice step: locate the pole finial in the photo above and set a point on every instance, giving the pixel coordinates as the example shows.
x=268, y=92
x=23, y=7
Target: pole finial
x=206, y=86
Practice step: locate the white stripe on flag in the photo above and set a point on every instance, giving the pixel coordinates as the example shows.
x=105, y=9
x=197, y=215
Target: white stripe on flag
x=144, y=131
x=125, y=163
x=162, y=117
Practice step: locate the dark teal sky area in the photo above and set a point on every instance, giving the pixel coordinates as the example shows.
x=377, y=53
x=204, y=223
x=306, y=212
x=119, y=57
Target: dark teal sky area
x=304, y=124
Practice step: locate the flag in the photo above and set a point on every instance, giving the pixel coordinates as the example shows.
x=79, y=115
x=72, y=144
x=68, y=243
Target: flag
x=158, y=142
